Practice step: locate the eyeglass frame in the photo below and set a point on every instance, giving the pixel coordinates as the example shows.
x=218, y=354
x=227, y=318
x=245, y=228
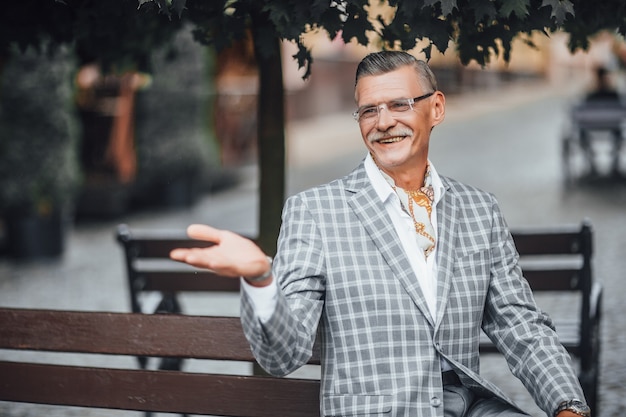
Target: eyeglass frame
x=410, y=102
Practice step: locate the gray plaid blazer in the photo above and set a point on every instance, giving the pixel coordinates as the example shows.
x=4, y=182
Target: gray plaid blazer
x=341, y=268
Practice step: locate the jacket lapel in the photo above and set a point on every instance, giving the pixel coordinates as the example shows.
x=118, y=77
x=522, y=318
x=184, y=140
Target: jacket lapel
x=446, y=230
x=374, y=218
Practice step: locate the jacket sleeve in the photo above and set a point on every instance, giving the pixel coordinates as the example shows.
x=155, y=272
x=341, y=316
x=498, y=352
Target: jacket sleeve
x=522, y=332
x=285, y=342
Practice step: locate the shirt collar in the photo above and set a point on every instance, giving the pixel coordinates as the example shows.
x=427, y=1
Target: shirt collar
x=384, y=190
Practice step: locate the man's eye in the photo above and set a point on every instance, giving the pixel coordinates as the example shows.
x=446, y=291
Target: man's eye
x=368, y=112
x=398, y=106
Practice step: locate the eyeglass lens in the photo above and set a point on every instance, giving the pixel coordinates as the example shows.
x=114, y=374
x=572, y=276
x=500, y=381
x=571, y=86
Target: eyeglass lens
x=394, y=107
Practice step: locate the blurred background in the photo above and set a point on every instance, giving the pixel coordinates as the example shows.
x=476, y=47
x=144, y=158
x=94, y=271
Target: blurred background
x=162, y=139
x=84, y=148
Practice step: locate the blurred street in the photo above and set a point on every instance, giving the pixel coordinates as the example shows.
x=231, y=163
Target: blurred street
x=506, y=141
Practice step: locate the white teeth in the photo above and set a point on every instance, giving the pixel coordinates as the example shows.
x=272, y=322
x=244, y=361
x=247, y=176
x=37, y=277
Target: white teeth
x=391, y=140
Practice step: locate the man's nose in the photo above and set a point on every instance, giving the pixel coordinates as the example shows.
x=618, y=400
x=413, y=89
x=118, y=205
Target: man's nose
x=385, y=119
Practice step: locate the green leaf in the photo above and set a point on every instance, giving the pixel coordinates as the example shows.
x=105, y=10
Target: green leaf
x=356, y=25
x=278, y=15
x=447, y=6
x=517, y=7
x=331, y=20
x=304, y=59
x=427, y=51
x=483, y=9
x=179, y=6
x=163, y=6
x=413, y=24
x=560, y=9
x=319, y=8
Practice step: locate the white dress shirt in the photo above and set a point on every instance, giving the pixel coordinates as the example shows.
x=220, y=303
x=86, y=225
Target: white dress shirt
x=425, y=268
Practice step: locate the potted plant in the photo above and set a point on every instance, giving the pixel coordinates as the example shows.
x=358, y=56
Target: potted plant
x=38, y=163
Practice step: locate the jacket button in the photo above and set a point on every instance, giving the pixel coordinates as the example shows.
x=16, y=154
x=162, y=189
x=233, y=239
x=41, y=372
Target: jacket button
x=435, y=402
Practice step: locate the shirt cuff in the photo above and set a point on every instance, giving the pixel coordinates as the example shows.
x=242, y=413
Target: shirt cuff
x=263, y=299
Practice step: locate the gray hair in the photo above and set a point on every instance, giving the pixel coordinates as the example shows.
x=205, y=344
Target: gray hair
x=378, y=63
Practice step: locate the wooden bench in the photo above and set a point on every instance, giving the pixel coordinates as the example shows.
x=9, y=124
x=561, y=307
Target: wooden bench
x=133, y=334
x=554, y=260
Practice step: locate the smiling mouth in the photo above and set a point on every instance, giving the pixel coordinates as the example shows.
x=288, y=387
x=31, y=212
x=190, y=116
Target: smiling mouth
x=392, y=139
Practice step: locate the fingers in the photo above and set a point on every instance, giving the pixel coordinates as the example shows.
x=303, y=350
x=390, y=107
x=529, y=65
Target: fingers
x=230, y=254
x=204, y=232
x=203, y=257
x=193, y=256
x=189, y=256
x=179, y=254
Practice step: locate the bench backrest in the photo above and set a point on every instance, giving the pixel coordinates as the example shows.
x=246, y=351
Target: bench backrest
x=553, y=259
x=556, y=259
x=149, y=268
x=163, y=335
x=559, y=260
x=570, y=244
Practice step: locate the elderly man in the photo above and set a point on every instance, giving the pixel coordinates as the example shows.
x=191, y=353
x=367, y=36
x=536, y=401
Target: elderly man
x=400, y=268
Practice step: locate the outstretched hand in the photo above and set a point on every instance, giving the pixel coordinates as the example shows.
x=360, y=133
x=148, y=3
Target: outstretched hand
x=230, y=255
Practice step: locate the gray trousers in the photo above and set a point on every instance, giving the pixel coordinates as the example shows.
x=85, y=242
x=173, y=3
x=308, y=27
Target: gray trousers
x=459, y=401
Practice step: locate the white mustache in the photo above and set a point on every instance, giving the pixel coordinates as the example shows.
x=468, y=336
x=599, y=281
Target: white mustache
x=374, y=136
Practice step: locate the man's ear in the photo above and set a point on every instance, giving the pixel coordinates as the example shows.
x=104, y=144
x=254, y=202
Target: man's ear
x=438, y=109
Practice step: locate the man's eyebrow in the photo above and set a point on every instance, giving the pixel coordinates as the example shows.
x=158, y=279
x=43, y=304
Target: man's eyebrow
x=392, y=100
x=364, y=106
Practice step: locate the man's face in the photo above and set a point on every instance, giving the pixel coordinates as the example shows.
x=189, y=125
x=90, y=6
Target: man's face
x=398, y=140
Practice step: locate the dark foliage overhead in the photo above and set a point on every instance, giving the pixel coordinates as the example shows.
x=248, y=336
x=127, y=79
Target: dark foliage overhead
x=478, y=29
x=122, y=30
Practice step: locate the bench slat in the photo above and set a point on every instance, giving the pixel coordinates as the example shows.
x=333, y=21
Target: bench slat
x=161, y=247
x=161, y=335
x=126, y=334
x=186, y=281
x=553, y=280
x=572, y=348
x=158, y=391
x=530, y=242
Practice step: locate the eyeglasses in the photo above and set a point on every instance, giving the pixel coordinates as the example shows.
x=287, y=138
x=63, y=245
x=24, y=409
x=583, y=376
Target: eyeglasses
x=394, y=107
